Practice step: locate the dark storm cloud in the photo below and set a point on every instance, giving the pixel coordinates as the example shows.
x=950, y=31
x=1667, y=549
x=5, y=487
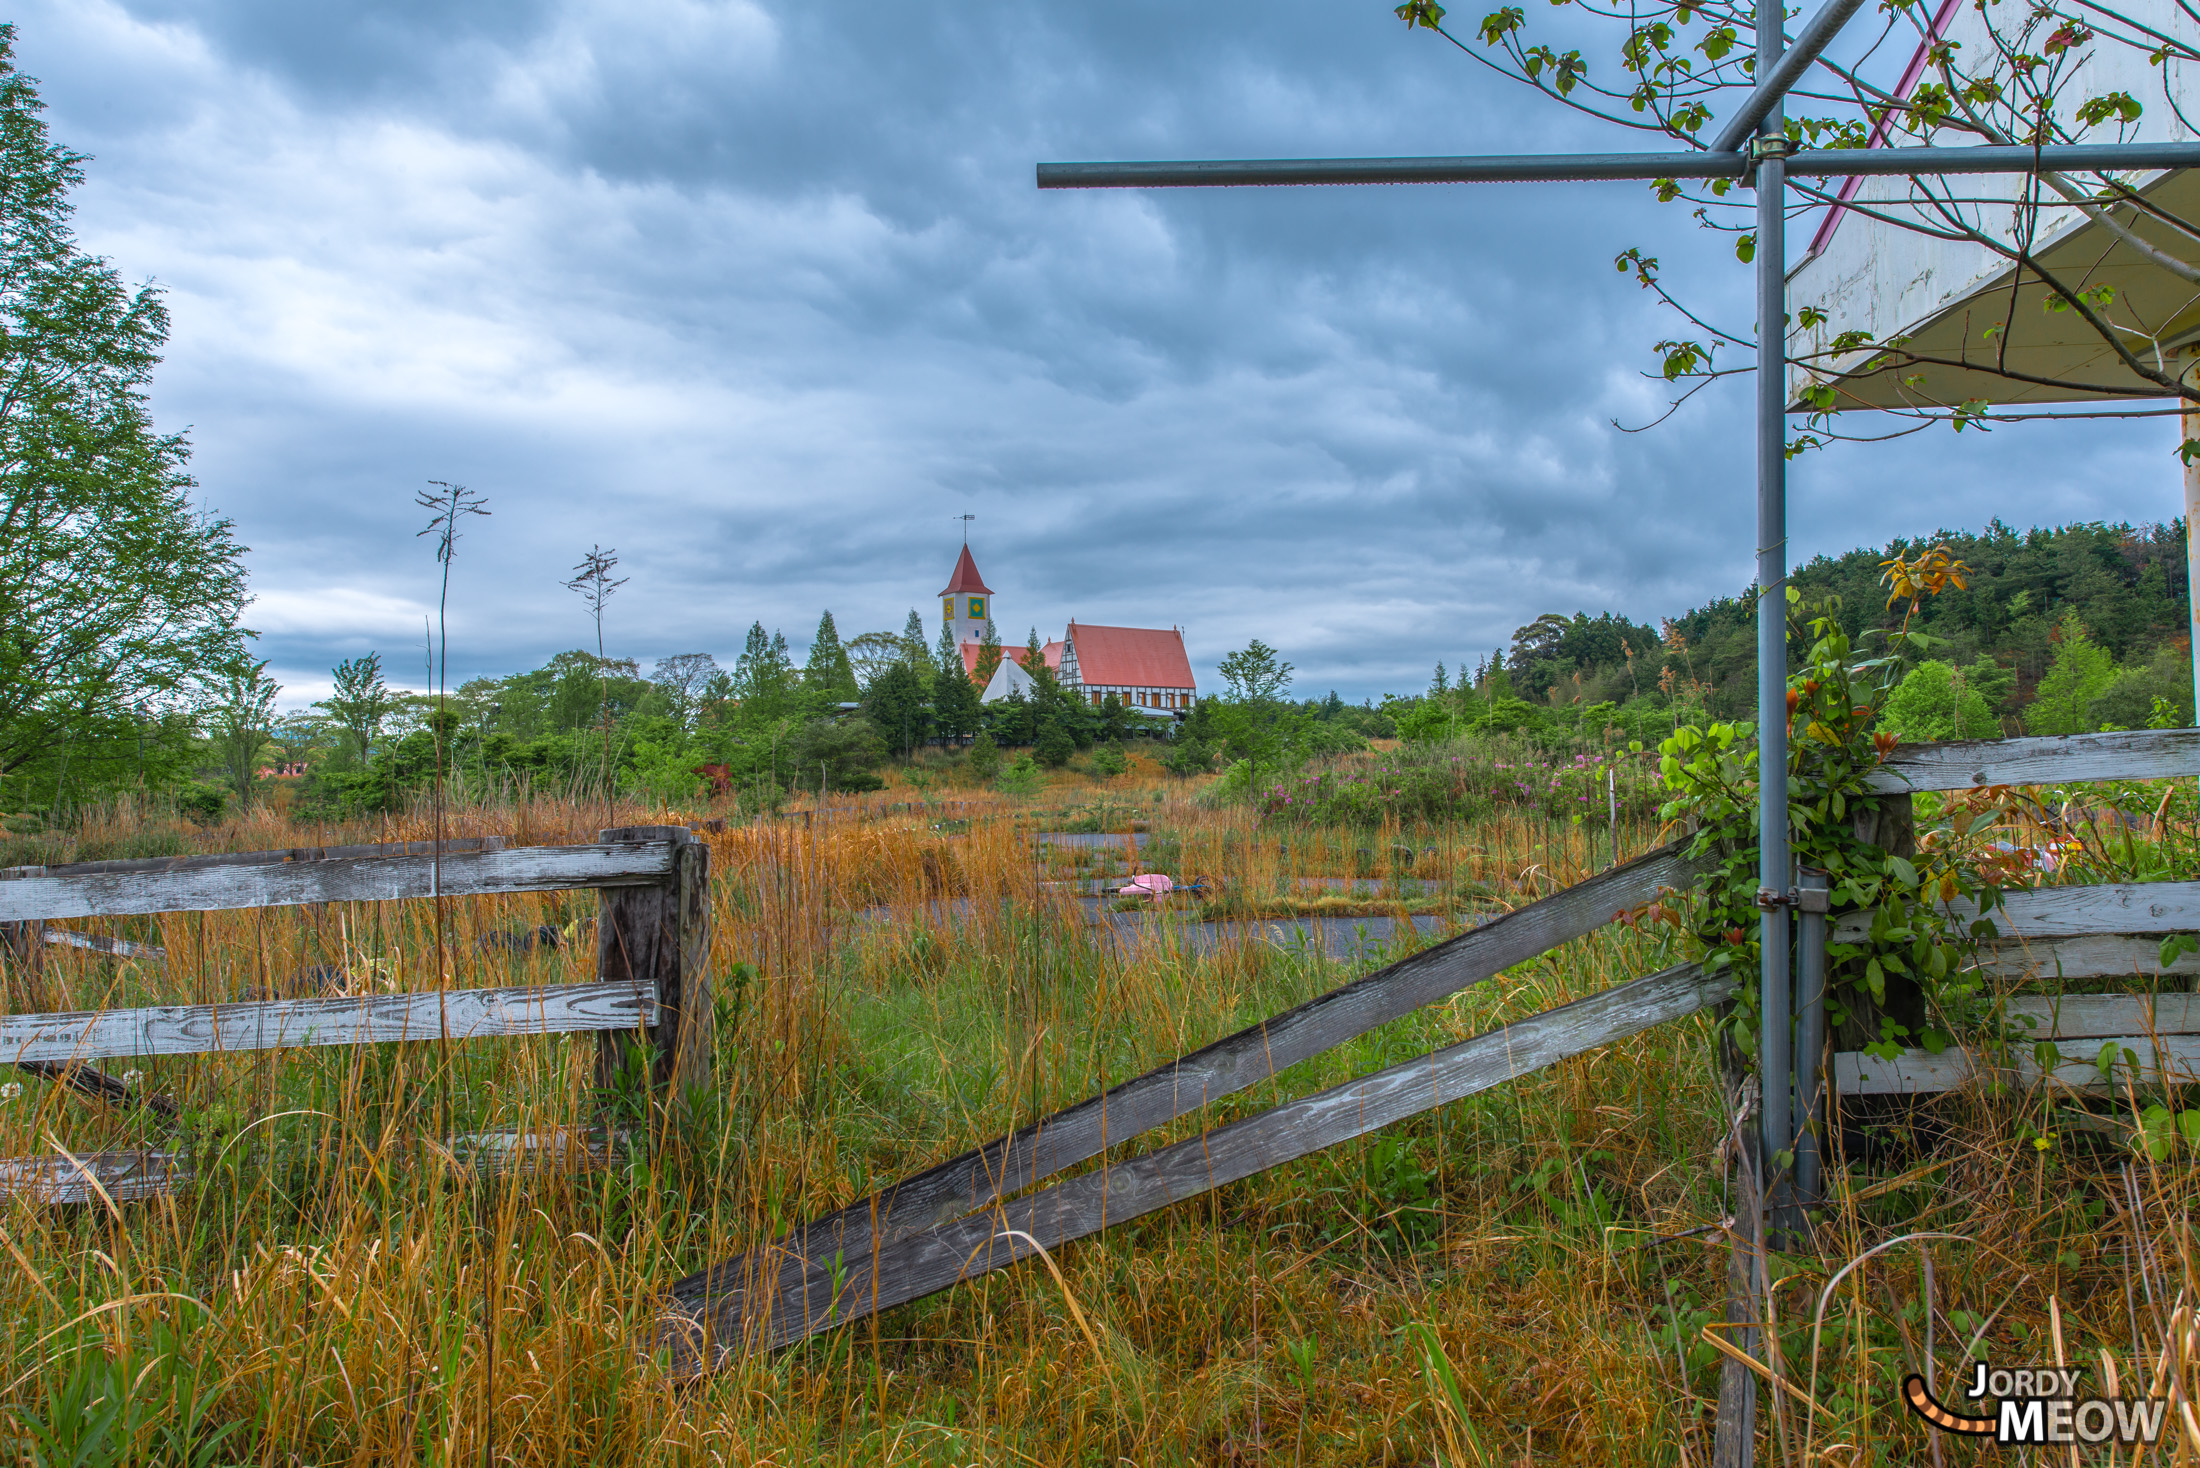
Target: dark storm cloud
x=763, y=295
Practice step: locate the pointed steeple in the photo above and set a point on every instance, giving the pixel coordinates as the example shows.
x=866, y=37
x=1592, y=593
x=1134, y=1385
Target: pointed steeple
x=966, y=602
x=966, y=578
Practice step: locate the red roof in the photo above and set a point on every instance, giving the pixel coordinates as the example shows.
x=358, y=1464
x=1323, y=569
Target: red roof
x=1052, y=652
x=1130, y=657
x=966, y=577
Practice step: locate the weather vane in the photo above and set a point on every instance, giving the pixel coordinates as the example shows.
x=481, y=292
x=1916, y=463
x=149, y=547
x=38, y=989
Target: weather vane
x=966, y=519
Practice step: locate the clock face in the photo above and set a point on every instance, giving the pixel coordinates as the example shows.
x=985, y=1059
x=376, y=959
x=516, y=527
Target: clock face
x=977, y=607
x=947, y=609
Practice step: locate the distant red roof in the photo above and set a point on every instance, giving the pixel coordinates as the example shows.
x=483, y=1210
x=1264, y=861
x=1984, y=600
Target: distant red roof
x=966, y=577
x=1052, y=652
x=1130, y=657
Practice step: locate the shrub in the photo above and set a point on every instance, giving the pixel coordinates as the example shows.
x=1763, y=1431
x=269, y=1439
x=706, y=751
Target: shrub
x=1109, y=760
x=201, y=804
x=1020, y=778
x=984, y=757
x=1054, y=745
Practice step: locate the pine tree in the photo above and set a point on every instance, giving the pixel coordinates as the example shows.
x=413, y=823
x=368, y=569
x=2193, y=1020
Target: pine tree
x=828, y=671
x=989, y=656
x=2081, y=672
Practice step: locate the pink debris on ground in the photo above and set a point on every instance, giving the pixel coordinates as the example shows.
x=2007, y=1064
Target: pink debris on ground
x=1146, y=884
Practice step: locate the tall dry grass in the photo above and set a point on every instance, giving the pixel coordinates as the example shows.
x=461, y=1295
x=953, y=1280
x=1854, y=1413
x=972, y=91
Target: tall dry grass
x=1523, y=1276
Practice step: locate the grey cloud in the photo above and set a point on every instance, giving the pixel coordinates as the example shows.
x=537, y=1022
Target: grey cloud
x=764, y=295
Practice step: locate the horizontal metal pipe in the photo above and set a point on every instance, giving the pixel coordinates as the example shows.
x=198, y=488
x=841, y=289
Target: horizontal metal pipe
x=1560, y=167
x=1786, y=72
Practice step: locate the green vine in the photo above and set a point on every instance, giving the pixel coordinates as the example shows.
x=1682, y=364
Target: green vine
x=1906, y=983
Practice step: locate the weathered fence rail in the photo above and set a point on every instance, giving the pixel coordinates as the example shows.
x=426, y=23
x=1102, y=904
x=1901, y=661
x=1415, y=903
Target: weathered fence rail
x=651, y=986
x=215, y=884
x=2136, y=754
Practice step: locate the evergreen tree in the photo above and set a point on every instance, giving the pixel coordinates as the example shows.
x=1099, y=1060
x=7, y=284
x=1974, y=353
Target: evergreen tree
x=915, y=651
x=954, y=696
x=828, y=672
x=896, y=703
x=2082, y=671
x=989, y=656
x=763, y=678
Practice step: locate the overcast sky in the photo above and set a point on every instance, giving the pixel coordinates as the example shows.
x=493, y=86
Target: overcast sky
x=762, y=295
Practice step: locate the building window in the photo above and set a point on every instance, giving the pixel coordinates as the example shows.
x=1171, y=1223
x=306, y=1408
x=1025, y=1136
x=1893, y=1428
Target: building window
x=977, y=608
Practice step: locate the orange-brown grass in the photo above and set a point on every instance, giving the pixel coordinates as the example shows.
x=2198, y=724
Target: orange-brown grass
x=893, y=986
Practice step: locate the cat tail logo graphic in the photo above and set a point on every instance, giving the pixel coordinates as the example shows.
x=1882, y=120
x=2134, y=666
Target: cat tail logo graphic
x=1920, y=1400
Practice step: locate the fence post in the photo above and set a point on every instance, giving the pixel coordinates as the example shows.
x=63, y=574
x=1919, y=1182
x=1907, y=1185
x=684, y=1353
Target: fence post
x=662, y=934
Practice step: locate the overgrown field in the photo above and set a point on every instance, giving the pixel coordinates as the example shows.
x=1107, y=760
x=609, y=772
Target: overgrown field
x=1520, y=1277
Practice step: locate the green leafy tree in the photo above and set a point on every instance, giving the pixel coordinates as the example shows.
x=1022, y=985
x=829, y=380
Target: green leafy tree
x=239, y=723
x=1252, y=716
x=1932, y=704
x=763, y=678
x=114, y=592
x=685, y=680
x=2082, y=672
x=359, y=704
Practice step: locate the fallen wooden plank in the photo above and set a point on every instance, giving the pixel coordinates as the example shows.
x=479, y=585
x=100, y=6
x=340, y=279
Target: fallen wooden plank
x=2092, y=956
x=125, y=1176
x=345, y=879
x=203, y=1029
x=2034, y=913
x=2167, y=1059
x=1252, y=1055
x=2062, y=759
x=700, y=1333
x=100, y=1086
x=113, y=947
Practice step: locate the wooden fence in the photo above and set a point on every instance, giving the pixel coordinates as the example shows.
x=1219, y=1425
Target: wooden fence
x=652, y=982
x=2112, y=930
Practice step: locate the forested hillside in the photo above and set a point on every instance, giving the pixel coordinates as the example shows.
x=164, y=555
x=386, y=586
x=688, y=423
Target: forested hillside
x=2057, y=630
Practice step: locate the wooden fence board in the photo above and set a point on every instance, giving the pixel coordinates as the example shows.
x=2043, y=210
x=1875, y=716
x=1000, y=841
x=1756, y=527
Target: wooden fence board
x=2094, y=956
x=342, y=879
x=2166, y=1059
x=2098, y=1016
x=202, y=1029
x=2136, y=754
x=126, y=1176
x=701, y=1333
x=276, y=856
x=1252, y=1055
x=2070, y=912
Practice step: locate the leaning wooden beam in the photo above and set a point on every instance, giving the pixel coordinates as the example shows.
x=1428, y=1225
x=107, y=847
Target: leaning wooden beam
x=123, y=1176
x=2070, y=912
x=348, y=879
x=700, y=1335
x=202, y=1029
x=2063, y=759
x=975, y=1179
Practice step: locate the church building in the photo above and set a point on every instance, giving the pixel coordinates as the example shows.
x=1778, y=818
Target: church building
x=1146, y=667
